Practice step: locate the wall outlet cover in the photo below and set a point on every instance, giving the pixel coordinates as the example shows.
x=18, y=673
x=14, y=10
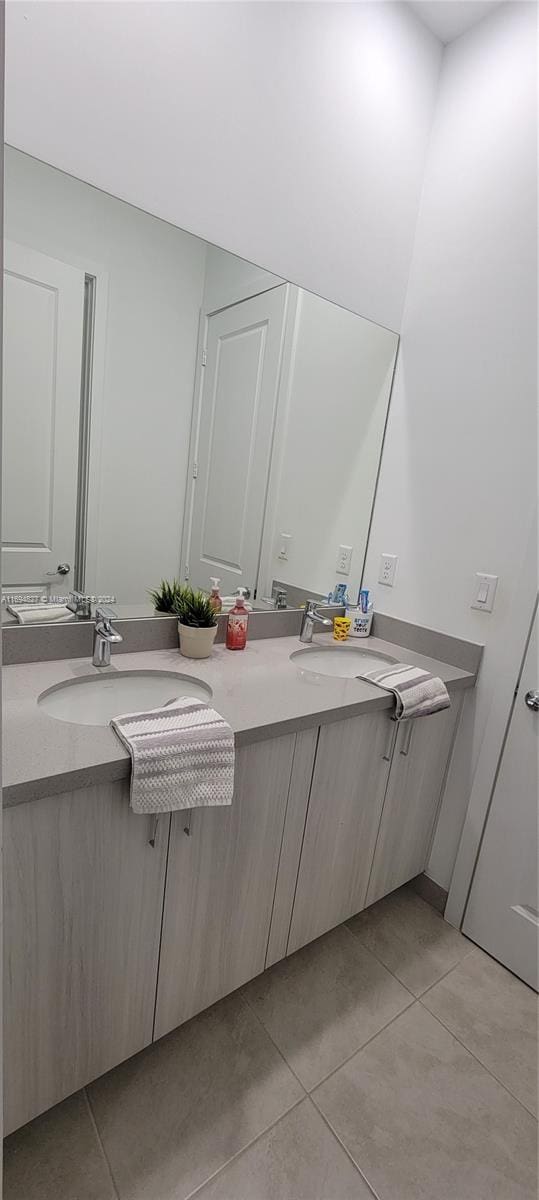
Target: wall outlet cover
x=344, y=560
x=387, y=568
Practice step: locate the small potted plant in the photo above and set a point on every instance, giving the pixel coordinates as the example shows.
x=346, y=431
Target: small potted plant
x=197, y=623
x=164, y=597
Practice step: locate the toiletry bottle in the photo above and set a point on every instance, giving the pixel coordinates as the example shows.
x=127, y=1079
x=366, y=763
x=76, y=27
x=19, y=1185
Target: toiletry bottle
x=236, y=628
x=215, y=596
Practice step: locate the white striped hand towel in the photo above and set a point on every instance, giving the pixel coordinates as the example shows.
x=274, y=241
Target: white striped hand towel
x=182, y=756
x=39, y=614
x=417, y=693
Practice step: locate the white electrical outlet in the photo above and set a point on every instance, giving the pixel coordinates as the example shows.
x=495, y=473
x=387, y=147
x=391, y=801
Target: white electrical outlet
x=344, y=559
x=386, y=571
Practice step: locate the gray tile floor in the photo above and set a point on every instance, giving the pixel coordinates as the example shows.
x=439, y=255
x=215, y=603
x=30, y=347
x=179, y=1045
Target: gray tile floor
x=391, y=1058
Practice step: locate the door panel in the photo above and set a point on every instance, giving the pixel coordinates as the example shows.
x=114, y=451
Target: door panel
x=503, y=908
x=43, y=323
x=220, y=887
x=83, y=897
x=417, y=776
x=239, y=397
x=347, y=793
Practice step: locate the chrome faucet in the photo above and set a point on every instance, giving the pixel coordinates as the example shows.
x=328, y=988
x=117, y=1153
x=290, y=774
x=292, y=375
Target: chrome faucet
x=104, y=636
x=310, y=618
x=278, y=598
x=80, y=604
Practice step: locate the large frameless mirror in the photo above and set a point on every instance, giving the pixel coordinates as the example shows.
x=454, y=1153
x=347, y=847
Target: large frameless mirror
x=172, y=411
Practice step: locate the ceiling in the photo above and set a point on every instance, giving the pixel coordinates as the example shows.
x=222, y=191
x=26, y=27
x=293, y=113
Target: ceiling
x=449, y=18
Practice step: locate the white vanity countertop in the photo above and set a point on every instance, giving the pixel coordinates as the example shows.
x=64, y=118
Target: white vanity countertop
x=257, y=690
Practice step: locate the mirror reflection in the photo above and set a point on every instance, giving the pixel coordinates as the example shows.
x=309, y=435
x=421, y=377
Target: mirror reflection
x=172, y=411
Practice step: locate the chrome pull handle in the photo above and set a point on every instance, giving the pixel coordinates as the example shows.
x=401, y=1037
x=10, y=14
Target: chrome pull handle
x=393, y=730
x=532, y=700
x=405, y=748
x=153, y=830
x=62, y=569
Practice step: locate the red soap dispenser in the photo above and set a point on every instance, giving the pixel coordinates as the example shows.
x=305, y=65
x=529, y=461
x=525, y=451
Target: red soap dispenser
x=236, y=627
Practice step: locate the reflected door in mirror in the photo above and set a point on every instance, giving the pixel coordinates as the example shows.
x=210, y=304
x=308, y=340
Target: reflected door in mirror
x=43, y=324
x=237, y=411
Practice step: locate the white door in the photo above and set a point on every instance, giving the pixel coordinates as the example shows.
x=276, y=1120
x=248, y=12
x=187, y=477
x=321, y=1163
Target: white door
x=502, y=914
x=43, y=322
x=237, y=413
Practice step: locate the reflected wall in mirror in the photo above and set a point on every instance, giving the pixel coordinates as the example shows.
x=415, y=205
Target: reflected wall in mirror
x=172, y=410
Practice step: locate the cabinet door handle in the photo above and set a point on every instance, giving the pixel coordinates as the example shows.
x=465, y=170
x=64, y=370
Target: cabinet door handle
x=153, y=829
x=187, y=826
x=407, y=737
x=393, y=730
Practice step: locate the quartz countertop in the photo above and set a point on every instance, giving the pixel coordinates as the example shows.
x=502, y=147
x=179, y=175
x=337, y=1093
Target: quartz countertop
x=259, y=691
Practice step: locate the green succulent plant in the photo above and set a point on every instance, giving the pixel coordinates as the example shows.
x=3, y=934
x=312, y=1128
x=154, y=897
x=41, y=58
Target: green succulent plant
x=194, y=609
x=164, y=597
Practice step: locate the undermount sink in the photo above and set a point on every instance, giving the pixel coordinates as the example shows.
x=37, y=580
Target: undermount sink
x=346, y=662
x=96, y=699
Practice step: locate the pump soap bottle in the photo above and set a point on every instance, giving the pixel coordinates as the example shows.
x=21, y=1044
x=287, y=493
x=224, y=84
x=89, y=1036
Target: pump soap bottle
x=215, y=595
x=236, y=628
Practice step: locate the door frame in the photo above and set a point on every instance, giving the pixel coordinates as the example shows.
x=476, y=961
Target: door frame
x=278, y=428
x=96, y=404
x=516, y=635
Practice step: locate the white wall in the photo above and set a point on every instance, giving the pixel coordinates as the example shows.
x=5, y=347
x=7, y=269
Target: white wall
x=459, y=472
x=291, y=134
x=229, y=279
x=155, y=281
x=337, y=390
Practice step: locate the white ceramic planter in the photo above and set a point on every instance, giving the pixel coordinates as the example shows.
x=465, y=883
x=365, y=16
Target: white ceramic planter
x=196, y=643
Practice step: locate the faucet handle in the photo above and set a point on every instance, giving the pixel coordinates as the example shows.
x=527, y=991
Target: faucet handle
x=105, y=612
x=104, y=616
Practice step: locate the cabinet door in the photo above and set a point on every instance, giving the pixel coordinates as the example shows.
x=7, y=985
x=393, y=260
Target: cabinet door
x=416, y=781
x=83, y=893
x=296, y=811
x=347, y=793
x=220, y=886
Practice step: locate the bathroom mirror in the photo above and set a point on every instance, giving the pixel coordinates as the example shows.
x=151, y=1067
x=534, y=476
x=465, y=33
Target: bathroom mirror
x=172, y=410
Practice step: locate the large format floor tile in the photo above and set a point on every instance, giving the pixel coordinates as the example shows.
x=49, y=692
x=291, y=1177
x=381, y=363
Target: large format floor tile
x=57, y=1157
x=411, y=938
x=173, y=1115
x=299, y=1159
x=495, y=1016
x=425, y=1121
x=324, y=1002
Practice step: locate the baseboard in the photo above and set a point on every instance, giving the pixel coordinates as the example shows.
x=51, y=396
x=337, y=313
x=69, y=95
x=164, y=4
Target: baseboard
x=430, y=891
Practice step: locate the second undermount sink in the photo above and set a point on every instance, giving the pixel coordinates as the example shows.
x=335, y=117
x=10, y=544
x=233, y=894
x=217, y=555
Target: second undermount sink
x=96, y=699
x=345, y=662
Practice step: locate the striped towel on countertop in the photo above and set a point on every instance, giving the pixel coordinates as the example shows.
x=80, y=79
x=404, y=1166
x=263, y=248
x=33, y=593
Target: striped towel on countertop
x=417, y=693
x=182, y=756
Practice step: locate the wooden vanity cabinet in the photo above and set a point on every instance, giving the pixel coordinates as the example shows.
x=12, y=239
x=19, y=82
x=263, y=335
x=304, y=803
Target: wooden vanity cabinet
x=418, y=771
x=111, y=942
x=83, y=897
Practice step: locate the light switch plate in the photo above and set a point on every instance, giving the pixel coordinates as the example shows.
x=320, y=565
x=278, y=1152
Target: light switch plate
x=387, y=568
x=484, y=592
x=344, y=560
x=284, y=542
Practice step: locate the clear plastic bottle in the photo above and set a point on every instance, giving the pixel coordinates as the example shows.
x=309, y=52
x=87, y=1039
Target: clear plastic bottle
x=215, y=595
x=236, y=628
